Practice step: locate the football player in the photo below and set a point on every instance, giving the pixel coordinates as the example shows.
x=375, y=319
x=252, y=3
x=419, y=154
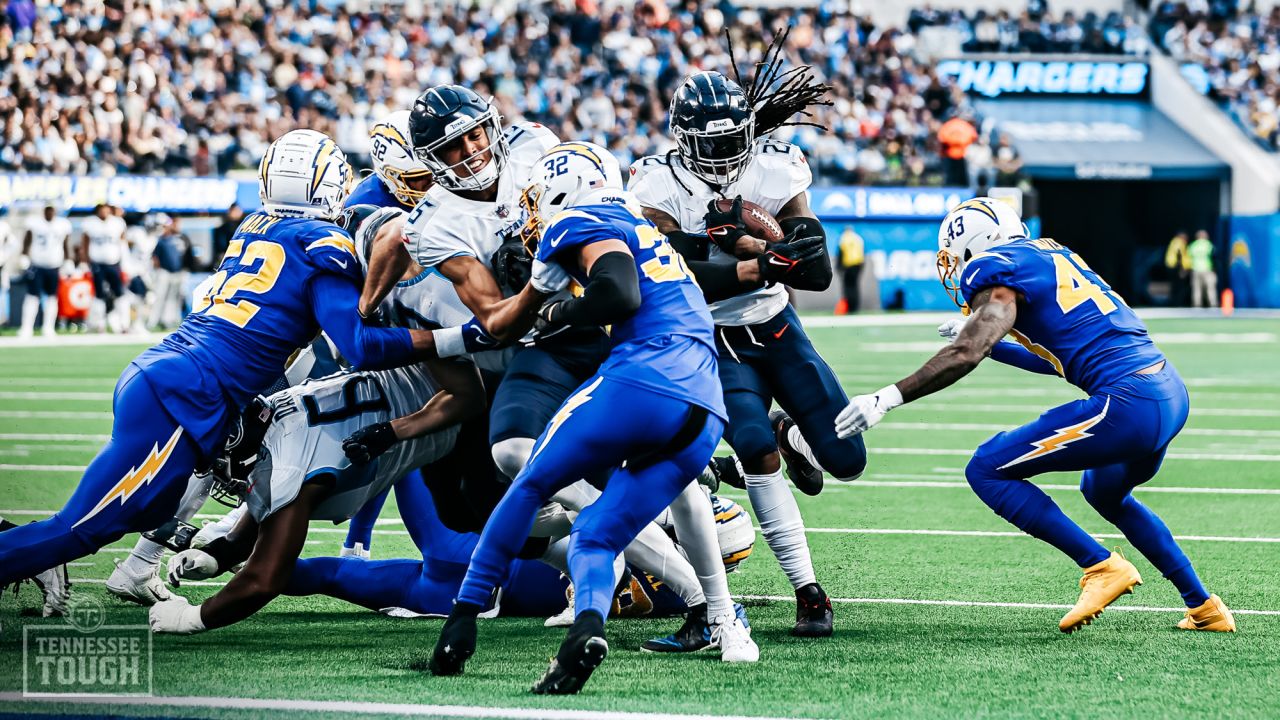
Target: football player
x=467, y=227
x=765, y=355
x=661, y=369
x=103, y=243
x=288, y=272
x=302, y=474
x=46, y=246
x=1067, y=322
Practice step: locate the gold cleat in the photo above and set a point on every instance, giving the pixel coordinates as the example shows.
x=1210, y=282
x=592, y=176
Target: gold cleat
x=1101, y=585
x=1212, y=616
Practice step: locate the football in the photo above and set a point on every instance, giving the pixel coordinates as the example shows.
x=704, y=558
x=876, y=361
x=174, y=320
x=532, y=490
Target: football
x=760, y=224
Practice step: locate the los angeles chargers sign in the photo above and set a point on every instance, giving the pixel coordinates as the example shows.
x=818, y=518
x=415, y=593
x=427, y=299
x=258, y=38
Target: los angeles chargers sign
x=994, y=78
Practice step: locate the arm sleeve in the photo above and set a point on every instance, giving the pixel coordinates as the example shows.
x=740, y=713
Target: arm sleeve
x=612, y=293
x=719, y=281
x=335, y=300
x=816, y=274
x=1011, y=353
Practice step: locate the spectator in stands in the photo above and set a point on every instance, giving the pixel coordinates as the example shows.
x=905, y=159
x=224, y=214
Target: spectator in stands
x=223, y=233
x=850, y=254
x=954, y=138
x=173, y=259
x=1204, y=280
x=1008, y=163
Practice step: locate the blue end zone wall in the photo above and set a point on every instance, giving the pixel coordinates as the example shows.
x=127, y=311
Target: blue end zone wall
x=1253, y=260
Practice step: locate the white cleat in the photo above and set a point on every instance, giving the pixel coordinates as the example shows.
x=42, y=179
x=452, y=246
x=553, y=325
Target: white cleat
x=55, y=586
x=357, y=551
x=218, y=528
x=144, y=589
x=565, y=617
x=734, y=640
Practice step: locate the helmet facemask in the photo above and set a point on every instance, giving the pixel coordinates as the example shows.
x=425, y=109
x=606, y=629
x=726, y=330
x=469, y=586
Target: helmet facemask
x=534, y=225
x=718, y=155
x=449, y=175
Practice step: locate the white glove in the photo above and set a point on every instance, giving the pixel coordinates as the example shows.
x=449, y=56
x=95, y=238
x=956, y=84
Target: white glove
x=548, y=278
x=950, y=329
x=192, y=565
x=863, y=412
x=176, y=616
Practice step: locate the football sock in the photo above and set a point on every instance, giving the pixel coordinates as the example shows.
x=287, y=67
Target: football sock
x=50, y=313
x=144, y=556
x=360, y=527
x=30, y=306
x=1034, y=513
x=695, y=526
x=1108, y=490
x=781, y=525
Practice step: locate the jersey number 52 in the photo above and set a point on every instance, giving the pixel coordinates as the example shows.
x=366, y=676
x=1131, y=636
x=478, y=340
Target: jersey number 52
x=226, y=286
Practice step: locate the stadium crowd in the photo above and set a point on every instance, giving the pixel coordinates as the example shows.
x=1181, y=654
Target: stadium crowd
x=200, y=87
x=1239, y=53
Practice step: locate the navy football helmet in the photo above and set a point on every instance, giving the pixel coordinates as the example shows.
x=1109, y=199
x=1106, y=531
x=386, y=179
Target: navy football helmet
x=714, y=127
x=444, y=114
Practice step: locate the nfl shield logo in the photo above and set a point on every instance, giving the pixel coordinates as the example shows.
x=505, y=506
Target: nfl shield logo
x=503, y=212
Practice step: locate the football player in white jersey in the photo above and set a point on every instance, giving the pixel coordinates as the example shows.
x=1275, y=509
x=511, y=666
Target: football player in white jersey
x=723, y=154
x=102, y=241
x=46, y=247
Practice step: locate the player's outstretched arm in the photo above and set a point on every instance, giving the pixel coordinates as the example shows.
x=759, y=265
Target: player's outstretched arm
x=335, y=299
x=719, y=281
x=461, y=397
x=388, y=261
x=612, y=292
x=505, y=319
x=994, y=311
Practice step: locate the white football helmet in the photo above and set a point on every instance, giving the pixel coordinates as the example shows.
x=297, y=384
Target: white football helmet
x=971, y=228
x=304, y=174
x=393, y=160
x=733, y=528
x=569, y=174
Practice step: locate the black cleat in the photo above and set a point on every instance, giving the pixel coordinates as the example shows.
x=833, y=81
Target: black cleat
x=813, y=613
x=803, y=474
x=457, y=641
x=724, y=470
x=693, y=635
x=580, y=654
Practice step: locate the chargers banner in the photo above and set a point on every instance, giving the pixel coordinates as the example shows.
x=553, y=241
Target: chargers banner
x=885, y=203
x=993, y=78
x=133, y=193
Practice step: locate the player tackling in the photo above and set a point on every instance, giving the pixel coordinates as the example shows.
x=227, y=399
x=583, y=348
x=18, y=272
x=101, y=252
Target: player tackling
x=1067, y=321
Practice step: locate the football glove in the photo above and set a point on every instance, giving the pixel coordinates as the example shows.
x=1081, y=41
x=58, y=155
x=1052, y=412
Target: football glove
x=192, y=565
x=865, y=411
x=512, y=265
x=548, y=278
x=725, y=227
x=950, y=329
x=176, y=616
x=785, y=260
x=367, y=443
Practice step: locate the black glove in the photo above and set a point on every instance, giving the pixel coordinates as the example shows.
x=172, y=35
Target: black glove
x=512, y=265
x=724, y=228
x=367, y=443
x=549, y=316
x=783, y=260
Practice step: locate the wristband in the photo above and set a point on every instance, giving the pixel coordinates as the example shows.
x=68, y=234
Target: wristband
x=449, y=342
x=889, y=396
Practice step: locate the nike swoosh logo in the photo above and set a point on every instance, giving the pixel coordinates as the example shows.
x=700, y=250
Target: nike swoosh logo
x=778, y=335
x=559, y=238
x=773, y=260
x=971, y=277
x=341, y=263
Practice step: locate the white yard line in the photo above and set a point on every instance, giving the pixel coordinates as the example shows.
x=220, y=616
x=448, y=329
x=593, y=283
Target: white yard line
x=56, y=414
x=53, y=395
x=349, y=707
x=1018, y=534
x=55, y=437
x=907, y=480
x=975, y=603
x=953, y=409
x=998, y=427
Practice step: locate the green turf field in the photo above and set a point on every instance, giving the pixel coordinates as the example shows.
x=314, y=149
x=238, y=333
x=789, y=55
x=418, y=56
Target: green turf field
x=943, y=610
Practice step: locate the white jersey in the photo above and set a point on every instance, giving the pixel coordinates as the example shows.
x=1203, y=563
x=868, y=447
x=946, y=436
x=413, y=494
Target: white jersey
x=48, y=241
x=429, y=302
x=106, y=239
x=137, y=257
x=445, y=225
x=9, y=248
x=312, y=419
x=778, y=172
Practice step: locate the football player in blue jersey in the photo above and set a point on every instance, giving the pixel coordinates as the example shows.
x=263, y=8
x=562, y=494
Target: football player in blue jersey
x=661, y=369
x=289, y=271
x=1067, y=322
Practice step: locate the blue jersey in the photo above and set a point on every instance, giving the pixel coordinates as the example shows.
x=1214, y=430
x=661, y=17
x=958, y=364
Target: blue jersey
x=373, y=191
x=667, y=346
x=1067, y=315
x=258, y=311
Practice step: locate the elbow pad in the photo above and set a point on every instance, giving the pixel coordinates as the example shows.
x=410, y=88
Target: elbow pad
x=815, y=274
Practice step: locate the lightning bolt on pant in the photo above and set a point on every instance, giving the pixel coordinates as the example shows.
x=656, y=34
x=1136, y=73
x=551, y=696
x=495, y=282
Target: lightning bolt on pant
x=603, y=424
x=133, y=485
x=1118, y=438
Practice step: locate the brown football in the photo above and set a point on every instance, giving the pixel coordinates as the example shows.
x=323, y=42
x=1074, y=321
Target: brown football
x=760, y=224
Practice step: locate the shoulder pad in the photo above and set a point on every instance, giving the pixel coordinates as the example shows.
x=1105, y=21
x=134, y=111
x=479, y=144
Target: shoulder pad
x=530, y=137
x=331, y=249
x=644, y=165
x=571, y=228
x=986, y=270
